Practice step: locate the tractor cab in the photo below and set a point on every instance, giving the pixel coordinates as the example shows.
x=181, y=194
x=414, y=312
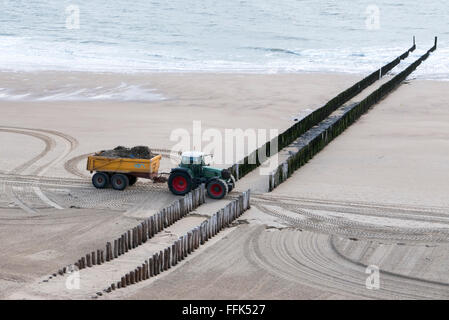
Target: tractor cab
x=193, y=171
x=194, y=161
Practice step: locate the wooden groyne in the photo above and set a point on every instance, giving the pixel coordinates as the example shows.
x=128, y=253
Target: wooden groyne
x=319, y=136
x=252, y=161
x=141, y=233
x=185, y=245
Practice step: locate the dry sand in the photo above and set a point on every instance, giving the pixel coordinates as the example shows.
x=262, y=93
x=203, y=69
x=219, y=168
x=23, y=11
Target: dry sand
x=381, y=183
x=397, y=153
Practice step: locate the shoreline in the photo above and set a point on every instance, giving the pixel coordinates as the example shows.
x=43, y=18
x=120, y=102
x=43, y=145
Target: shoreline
x=199, y=72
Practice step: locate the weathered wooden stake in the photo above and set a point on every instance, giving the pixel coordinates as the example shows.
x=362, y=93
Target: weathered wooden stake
x=108, y=251
x=128, y=279
x=115, y=249
x=151, y=265
x=128, y=240
x=144, y=231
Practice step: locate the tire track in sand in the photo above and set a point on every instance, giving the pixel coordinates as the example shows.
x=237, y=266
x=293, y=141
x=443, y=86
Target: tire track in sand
x=308, y=258
x=71, y=144
x=49, y=145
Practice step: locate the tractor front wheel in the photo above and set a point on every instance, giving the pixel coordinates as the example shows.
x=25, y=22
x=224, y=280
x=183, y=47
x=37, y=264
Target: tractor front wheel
x=179, y=183
x=217, y=189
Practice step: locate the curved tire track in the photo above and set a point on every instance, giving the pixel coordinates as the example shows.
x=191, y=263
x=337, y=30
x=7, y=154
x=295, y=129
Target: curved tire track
x=71, y=142
x=308, y=258
x=49, y=145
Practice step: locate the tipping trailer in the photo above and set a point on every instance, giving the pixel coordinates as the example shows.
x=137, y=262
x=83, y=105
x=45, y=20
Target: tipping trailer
x=122, y=172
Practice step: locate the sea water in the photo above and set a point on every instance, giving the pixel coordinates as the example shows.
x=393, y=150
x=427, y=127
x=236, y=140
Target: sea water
x=263, y=36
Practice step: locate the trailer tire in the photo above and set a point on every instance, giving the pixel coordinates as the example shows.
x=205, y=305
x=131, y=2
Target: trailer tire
x=217, y=188
x=100, y=180
x=119, y=181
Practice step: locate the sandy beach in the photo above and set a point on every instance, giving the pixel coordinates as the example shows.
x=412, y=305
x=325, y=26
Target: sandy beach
x=375, y=195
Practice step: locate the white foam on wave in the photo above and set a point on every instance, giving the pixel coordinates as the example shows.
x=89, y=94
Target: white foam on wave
x=21, y=54
x=123, y=92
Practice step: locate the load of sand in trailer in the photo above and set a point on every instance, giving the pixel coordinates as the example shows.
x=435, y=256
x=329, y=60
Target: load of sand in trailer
x=138, y=152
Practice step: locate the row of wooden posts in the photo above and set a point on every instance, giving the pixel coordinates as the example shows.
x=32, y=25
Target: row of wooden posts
x=257, y=157
x=142, y=232
x=315, y=140
x=186, y=244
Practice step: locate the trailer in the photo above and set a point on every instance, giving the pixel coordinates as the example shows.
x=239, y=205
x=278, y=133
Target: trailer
x=122, y=172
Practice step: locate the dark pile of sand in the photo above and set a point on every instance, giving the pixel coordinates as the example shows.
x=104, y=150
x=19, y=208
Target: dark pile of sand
x=138, y=152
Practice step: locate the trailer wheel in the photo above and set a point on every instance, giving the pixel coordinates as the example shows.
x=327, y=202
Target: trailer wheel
x=132, y=180
x=180, y=183
x=217, y=189
x=100, y=180
x=119, y=181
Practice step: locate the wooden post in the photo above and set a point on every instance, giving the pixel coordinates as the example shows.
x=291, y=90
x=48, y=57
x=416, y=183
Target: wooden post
x=123, y=282
x=113, y=286
x=142, y=272
x=189, y=237
x=144, y=231
x=139, y=235
x=115, y=249
x=94, y=260
x=123, y=246
x=168, y=266
x=151, y=266
x=128, y=279
x=108, y=251
x=197, y=242
x=88, y=261
x=147, y=274
x=182, y=207
x=161, y=261
x=149, y=226
x=202, y=233
x=173, y=254
x=131, y=275
x=119, y=245
x=83, y=262
x=179, y=253
x=157, y=266
x=128, y=241
x=139, y=274
x=185, y=246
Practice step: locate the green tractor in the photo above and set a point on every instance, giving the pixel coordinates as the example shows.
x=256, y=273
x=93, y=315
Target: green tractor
x=194, y=171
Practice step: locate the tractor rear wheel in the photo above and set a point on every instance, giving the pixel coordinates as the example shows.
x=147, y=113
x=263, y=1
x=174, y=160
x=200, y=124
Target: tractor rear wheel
x=100, y=180
x=119, y=181
x=180, y=183
x=217, y=189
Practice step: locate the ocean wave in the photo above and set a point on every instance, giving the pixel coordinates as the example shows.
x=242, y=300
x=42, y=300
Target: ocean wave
x=122, y=92
x=274, y=50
